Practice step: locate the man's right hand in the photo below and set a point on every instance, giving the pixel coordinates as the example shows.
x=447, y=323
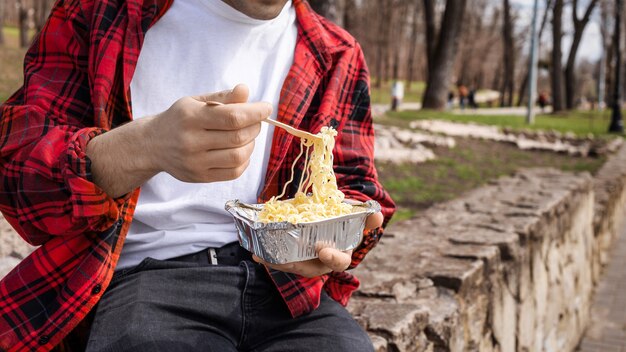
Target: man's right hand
x=196, y=142
x=192, y=141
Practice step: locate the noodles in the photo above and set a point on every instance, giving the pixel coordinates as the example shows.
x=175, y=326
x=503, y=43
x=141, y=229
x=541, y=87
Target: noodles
x=324, y=200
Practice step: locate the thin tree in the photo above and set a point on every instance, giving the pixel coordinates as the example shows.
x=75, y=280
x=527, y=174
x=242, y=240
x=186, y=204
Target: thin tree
x=399, y=19
x=506, y=98
x=441, y=50
x=617, y=124
x=412, y=48
x=349, y=11
x=2, y=4
x=41, y=10
x=382, y=41
x=557, y=72
x=607, y=42
x=22, y=15
x=521, y=95
x=579, y=27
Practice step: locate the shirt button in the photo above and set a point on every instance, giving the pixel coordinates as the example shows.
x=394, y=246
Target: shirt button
x=44, y=339
x=96, y=289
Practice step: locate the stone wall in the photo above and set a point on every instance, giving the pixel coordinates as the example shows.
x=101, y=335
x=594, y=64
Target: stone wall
x=507, y=267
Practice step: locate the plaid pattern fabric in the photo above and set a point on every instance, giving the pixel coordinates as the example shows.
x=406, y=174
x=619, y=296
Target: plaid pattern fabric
x=76, y=86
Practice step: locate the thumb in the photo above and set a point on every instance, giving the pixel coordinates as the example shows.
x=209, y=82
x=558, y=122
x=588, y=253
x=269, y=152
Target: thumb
x=374, y=220
x=239, y=94
x=335, y=259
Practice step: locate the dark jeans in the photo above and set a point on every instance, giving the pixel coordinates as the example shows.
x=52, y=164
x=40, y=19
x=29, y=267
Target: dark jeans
x=185, y=306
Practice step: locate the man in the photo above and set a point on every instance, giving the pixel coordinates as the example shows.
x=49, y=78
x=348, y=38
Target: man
x=114, y=100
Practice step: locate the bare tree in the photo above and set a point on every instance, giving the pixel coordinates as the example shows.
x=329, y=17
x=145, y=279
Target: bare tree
x=521, y=93
x=579, y=27
x=412, y=48
x=441, y=50
x=22, y=13
x=506, y=98
x=41, y=10
x=607, y=43
x=557, y=72
x=382, y=41
x=2, y=5
x=400, y=20
x=349, y=11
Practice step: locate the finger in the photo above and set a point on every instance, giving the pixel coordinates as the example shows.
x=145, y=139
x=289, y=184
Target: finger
x=239, y=94
x=228, y=174
x=233, y=116
x=334, y=259
x=229, y=158
x=208, y=140
x=374, y=221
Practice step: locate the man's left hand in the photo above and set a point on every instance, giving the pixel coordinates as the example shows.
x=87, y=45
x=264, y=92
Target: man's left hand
x=328, y=259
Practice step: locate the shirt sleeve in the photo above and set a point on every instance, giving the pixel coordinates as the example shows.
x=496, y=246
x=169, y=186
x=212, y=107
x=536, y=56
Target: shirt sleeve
x=354, y=153
x=47, y=188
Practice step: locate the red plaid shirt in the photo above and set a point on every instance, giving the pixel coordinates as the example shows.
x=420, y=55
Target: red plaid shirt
x=76, y=86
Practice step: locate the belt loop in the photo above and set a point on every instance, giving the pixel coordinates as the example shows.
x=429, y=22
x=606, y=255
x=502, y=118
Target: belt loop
x=212, y=256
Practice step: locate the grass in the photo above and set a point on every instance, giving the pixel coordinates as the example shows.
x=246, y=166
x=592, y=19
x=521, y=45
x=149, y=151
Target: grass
x=579, y=122
x=11, y=60
x=11, y=75
x=472, y=163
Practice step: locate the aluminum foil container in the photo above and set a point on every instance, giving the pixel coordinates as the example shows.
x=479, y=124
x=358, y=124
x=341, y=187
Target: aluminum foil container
x=284, y=242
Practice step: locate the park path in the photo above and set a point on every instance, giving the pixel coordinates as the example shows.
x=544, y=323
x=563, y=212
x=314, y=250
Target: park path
x=607, y=329
x=380, y=109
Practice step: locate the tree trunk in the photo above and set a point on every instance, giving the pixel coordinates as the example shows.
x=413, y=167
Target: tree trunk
x=579, y=27
x=349, y=12
x=390, y=43
x=440, y=69
x=2, y=5
x=412, y=49
x=431, y=32
x=609, y=74
x=380, y=45
x=22, y=13
x=397, y=37
x=522, y=89
x=465, y=51
x=506, y=99
x=41, y=14
x=607, y=41
x=557, y=72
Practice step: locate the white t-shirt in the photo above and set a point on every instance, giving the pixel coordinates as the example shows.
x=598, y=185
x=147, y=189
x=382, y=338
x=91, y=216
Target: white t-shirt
x=203, y=46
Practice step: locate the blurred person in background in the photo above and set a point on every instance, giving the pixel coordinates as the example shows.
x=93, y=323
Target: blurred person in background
x=542, y=100
x=463, y=92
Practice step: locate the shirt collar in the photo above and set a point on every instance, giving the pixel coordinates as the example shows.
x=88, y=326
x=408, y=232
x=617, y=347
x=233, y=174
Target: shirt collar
x=321, y=38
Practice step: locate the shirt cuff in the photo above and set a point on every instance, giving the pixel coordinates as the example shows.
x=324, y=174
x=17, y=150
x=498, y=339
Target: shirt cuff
x=90, y=202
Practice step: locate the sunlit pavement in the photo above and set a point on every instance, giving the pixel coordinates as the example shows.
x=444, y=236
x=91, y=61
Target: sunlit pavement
x=607, y=329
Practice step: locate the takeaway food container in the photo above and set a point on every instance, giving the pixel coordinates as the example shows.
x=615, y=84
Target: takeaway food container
x=284, y=242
